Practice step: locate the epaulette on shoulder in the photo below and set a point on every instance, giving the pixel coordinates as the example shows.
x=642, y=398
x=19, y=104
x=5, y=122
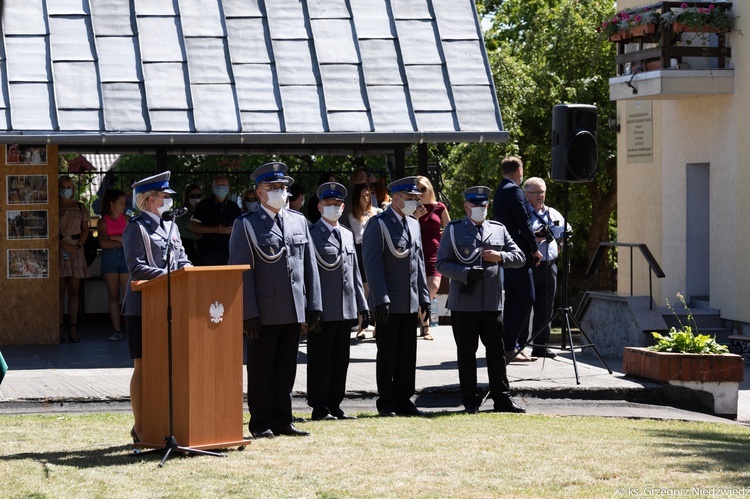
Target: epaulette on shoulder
x=247, y=214
x=344, y=227
x=136, y=218
x=495, y=222
x=294, y=211
x=455, y=221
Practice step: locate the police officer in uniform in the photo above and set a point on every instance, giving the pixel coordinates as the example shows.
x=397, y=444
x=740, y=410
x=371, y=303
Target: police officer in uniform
x=472, y=251
x=394, y=266
x=281, y=291
x=144, y=241
x=343, y=299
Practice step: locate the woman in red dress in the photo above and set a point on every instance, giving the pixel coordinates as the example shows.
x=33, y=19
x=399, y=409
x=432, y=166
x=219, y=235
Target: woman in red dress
x=433, y=217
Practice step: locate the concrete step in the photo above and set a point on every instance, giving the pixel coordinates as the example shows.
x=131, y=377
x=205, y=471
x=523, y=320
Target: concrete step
x=703, y=317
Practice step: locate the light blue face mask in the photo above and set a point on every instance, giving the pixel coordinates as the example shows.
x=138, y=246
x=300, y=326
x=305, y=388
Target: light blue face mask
x=66, y=193
x=221, y=191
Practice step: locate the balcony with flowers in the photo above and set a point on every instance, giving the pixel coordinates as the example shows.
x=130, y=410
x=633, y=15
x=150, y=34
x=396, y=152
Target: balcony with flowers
x=671, y=50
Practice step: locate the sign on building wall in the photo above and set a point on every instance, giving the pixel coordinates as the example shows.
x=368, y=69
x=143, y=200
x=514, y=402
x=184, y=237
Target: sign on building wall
x=639, y=134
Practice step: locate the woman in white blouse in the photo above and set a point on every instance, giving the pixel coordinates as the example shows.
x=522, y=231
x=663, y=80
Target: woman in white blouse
x=361, y=211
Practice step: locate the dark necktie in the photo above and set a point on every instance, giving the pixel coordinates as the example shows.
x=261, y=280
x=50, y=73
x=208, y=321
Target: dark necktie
x=161, y=224
x=279, y=223
x=337, y=235
x=406, y=229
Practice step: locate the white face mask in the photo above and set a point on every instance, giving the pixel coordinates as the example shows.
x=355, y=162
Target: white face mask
x=478, y=214
x=194, y=202
x=277, y=199
x=166, y=206
x=410, y=206
x=333, y=213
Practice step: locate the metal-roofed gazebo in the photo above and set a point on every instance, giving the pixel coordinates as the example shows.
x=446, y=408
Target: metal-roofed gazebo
x=254, y=76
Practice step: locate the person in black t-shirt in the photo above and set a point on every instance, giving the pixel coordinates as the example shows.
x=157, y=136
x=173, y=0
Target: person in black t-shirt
x=213, y=219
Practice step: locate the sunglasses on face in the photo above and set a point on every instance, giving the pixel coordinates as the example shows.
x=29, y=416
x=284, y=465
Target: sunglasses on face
x=423, y=189
x=250, y=200
x=195, y=196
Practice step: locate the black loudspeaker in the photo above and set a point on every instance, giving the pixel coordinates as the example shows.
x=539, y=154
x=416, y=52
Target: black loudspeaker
x=574, y=149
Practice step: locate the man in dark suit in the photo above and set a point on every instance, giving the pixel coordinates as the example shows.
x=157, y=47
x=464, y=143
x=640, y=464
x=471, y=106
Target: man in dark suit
x=472, y=252
x=343, y=299
x=394, y=264
x=511, y=209
x=281, y=291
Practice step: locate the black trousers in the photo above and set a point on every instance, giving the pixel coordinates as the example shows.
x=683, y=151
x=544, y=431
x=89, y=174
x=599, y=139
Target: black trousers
x=519, y=299
x=545, y=284
x=327, y=365
x=271, y=369
x=468, y=328
x=396, y=362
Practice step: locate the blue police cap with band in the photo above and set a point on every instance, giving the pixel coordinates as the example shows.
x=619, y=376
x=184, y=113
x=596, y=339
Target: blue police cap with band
x=406, y=184
x=478, y=195
x=272, y=172
x=331, y=190
x=158, y=182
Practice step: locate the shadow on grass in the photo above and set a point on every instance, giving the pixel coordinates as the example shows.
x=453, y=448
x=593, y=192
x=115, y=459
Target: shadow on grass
x=707, y=450
x=87, y=458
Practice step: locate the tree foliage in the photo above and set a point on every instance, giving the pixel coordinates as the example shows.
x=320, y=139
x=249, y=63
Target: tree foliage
x=543, y=53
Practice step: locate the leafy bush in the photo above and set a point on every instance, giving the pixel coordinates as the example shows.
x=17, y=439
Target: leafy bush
x=683, y=340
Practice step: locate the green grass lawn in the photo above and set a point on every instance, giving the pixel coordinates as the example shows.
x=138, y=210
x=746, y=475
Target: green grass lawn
x=447, y=455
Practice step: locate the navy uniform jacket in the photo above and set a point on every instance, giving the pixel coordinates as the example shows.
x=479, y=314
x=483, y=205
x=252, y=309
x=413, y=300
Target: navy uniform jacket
x=510, y=209
x=455, y=261
x=148, y=261
x=343, y=293
x=402, y=282
x=282, y=283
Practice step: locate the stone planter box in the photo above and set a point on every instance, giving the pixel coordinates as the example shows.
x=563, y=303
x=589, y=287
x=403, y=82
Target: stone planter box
x=704, y=382
x=667, y=366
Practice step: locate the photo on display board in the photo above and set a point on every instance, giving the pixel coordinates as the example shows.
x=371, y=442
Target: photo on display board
x=16, y=154
x=27, y=224
x=28, y=264
x=26, y=189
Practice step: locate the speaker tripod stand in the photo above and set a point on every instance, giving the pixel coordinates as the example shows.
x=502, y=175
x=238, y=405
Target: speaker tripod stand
x=564, y=312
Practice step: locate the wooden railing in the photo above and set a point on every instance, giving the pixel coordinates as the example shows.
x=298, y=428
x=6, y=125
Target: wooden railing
x=668, y=37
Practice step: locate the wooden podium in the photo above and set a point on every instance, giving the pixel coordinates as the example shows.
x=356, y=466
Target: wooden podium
x=206, y=358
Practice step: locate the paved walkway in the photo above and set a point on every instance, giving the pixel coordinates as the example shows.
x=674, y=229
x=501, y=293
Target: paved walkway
x=94, y=375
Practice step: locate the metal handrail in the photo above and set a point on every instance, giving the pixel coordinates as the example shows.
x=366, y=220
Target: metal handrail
x=653, y=265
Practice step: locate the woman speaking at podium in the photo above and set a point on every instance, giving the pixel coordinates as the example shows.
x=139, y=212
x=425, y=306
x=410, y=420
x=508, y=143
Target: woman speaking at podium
x=145, y=241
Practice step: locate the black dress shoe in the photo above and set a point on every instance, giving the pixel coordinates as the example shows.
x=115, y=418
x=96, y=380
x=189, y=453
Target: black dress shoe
x=291, y=431
x=471, y=409
x=327, y=417
x=342, y=415
x=386, y=414
x=410, y=411
x=543, y=352
x=322, y=415
x=263, y=434
x=508, y=405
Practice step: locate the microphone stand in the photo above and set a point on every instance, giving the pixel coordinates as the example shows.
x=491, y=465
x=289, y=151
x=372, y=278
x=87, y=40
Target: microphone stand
x=171, y=443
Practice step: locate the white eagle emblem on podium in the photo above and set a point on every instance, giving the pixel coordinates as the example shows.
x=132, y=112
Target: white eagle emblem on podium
x=216, y=310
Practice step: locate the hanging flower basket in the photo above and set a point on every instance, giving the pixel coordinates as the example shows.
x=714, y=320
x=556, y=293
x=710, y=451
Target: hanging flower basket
x=681, y=28
x=643, y=29
x=620, y=36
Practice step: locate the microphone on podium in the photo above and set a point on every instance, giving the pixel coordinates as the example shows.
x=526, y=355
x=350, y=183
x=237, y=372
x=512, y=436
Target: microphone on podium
x=171, y=215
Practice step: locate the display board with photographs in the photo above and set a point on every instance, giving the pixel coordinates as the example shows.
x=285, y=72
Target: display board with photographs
x=28, y=264
x=26, y=189
x=27, y=224
x=17, y=154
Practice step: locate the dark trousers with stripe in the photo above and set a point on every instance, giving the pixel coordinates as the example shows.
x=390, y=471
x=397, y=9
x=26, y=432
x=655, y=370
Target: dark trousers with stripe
x=271, y=369
x=396, y=362
x=468, y=329
x=327, y=365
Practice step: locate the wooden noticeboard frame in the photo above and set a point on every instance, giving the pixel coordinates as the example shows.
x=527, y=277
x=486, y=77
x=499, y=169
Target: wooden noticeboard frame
x=31, y=304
